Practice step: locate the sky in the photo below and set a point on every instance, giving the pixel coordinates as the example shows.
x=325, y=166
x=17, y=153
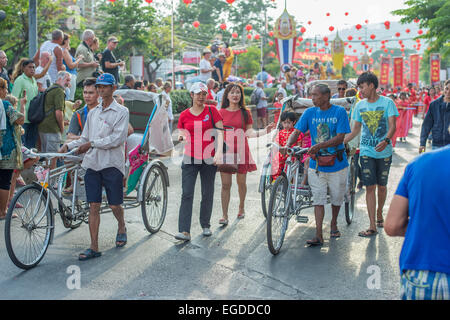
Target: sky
x=375, y=11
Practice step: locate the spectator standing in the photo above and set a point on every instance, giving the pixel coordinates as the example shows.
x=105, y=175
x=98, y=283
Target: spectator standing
x=129, y=82
x=205, y=66
x=430, y=97
x=52, y=127
x=103, y=140
x=167, y=87
x=377, y=116
x=152, y=88
x=26, y=86
x=139, y=85
x=263, y=76
x=261, y=106
x=109, y=62
x=87, y=66
x=211, y=97
x=71, y=65
x=282, y=89
x=419, y=212
x=218, y=64
x=219, y=95
x=54, y=48
x=159, y=85
x=436, y=121
x=3, y=71
x=44, y=82
x=341, y=87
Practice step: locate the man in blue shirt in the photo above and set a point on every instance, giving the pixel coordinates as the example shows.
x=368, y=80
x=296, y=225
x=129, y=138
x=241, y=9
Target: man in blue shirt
x=376, y=116
x=327, y=125
x=419, y=212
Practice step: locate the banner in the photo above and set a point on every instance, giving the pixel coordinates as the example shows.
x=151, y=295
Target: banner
x=384, y=71
x=435, y=65
x=337, y=51
x=414, y=65
x=191, y=57
x=398, y=72
x=285, y=39
x=322, y=57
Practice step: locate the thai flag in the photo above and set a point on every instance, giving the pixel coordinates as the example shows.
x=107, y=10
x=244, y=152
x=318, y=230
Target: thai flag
x=285, y=50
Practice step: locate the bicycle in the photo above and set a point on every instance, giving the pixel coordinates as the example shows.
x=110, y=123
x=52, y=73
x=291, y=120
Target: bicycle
x=28, y=236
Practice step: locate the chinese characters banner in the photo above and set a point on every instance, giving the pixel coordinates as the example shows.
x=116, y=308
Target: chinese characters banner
x=398, y=72
x=384, y=72
x=414, y=65
x=435, y=65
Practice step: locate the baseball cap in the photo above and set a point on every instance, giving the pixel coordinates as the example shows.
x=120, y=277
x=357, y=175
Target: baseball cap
x=205, y=51
x=113, y=39
x=106, y=79
x=198, y=87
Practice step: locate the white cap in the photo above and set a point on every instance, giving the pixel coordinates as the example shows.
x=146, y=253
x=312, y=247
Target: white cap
x=198, y=87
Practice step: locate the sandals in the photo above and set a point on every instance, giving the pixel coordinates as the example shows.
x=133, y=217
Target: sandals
x=380, y=223
x=368, y=233
x=314, y=242
x=121, y=240
x=241, y=215
x=335, y=234
x=89, y=254
x=223, y=221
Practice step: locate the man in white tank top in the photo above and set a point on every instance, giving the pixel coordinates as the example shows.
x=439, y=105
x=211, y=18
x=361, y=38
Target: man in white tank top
x=53, y=47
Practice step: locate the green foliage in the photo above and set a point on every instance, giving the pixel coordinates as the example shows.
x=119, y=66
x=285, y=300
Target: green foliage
x=270, y=93
x=348, y=72
x=181, y=100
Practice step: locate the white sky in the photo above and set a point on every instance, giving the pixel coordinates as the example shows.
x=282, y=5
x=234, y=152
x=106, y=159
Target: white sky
x=375, y=11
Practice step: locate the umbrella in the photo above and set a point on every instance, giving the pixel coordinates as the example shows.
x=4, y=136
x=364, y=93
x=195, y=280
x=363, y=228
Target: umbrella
x=184, y=69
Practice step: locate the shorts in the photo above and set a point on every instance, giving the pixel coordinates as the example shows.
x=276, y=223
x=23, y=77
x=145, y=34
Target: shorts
x=111, y=179
x=261, y=112
x=424, y=285
x=321, y=182
x=50, y=142
x=5, y=178
x=375, y=171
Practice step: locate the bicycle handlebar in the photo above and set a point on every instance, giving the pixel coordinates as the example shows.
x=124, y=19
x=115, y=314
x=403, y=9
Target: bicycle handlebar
x=51, y=155
x=295, y=150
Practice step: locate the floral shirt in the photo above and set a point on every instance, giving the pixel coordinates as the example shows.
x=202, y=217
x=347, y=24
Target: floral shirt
x=11, y=146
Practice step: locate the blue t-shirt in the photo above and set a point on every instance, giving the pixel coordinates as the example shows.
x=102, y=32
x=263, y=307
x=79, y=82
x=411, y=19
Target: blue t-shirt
x=219, y=66
x=323, y=126
x=375, y=125
x=427, y=240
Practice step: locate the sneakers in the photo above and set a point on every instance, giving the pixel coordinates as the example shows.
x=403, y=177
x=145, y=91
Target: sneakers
x=182, y=236
x=207, y=232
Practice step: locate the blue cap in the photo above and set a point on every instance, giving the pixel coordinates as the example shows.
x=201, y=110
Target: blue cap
x=106, y=79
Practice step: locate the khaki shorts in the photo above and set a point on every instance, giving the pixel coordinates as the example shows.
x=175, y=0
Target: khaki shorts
x=321, y=182
x=50, y=142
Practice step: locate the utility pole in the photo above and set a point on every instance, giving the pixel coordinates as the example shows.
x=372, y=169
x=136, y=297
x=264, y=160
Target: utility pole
x=173, y=53
x=32, y=30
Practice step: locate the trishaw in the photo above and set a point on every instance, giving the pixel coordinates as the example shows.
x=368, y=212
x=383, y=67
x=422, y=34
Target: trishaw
x=30, y=222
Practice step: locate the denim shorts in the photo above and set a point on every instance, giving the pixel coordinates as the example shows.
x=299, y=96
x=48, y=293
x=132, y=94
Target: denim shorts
x=111, y=179
x=375, y=171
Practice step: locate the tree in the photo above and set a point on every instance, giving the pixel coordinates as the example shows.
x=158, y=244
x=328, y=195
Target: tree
x=14, y=35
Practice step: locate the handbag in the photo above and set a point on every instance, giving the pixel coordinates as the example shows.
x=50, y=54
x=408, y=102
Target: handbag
x=230, y=161
x=325, y=161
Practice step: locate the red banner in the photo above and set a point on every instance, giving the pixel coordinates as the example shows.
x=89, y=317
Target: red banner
x=322, y=56
x=414, y=65
x=435, y=65
x=398, y=72
x=384, y=71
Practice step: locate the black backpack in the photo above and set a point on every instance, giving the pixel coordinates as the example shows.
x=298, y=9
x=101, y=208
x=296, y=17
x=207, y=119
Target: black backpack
x=36, y=110
x=254, y=99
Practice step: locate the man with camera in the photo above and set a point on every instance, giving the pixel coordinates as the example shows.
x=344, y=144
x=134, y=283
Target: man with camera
x=109, y=62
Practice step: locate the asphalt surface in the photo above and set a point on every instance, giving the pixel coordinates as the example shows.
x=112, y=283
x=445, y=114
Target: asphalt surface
x=234, y=263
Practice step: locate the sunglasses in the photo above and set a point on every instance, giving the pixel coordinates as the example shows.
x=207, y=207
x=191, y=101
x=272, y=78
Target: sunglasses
x=341, y=89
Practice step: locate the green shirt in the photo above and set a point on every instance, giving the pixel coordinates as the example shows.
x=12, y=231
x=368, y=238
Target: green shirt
x=88, y=57
x=30, y=86
x=54, y=100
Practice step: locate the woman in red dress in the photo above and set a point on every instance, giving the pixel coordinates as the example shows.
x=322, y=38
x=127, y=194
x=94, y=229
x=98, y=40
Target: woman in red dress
x=431, y=96
x=405, y=116
x=236, y=115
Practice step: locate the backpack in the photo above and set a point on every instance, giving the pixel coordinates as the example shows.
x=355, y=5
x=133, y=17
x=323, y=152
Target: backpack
x=36, y=110
x=254, y=99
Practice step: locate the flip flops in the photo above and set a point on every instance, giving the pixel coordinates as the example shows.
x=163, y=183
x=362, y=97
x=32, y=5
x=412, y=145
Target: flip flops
x=380, y=223
x=368, y=233
x=241, y=215
x=121, y=240
x=223, y=221
x=314, y=242
x=335, y=234
x=89, y=254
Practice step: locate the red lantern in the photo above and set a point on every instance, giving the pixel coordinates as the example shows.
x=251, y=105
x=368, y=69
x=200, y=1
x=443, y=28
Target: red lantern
x=272, y=54
x=363, y=43
x=331, y=28
x=407, y=30
x=230, y=2
x=308, y=44
x=234, y=35
x=386, y=50
x=416, y=20
x=196, y=24
x=112, y=0
x=345, y=43
x=392, y=51
x=354, y=50
x=303, y=30
x=387, y=24
x=223, y=26
x=270, y=33
x=417, y=40
x=367, y=46
x=326, y=43
x=325, y=39
x=349, y=45
x=397, y=34
x=297, y=44
x=359, y=38
x=372, y=36
x=350, y=38
x=366, y=21
x=383, y=46
x=346, y=13
x=402, y=50
x=149, y=1
x=358, y=26
x=328, y=14
x=309, y=22
x=300, y=39
x=420, y=31
x=187, y=2
x=307, y=50
x=314, y=45
x=257, y=37
x=248, y=27
x=270, y=43
x=249, y=36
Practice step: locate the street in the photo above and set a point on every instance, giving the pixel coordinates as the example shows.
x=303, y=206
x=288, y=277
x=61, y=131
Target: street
x=234, y=263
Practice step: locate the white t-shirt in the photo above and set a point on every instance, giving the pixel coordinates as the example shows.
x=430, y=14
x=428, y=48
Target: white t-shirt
x=205, y=65
x=45, y=80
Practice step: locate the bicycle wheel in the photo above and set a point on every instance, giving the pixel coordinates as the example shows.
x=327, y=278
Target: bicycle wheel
x=28, y=236
x=154, y=203
x=278, y=217
x=66, y=214
x=266, y=184
x=350, y=196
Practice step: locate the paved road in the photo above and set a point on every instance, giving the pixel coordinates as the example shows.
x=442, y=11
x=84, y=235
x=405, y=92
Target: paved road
x=234, y=263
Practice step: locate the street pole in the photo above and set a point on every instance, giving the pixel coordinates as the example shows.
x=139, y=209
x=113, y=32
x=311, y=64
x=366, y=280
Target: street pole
x=32, y=31
x=173, y=54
